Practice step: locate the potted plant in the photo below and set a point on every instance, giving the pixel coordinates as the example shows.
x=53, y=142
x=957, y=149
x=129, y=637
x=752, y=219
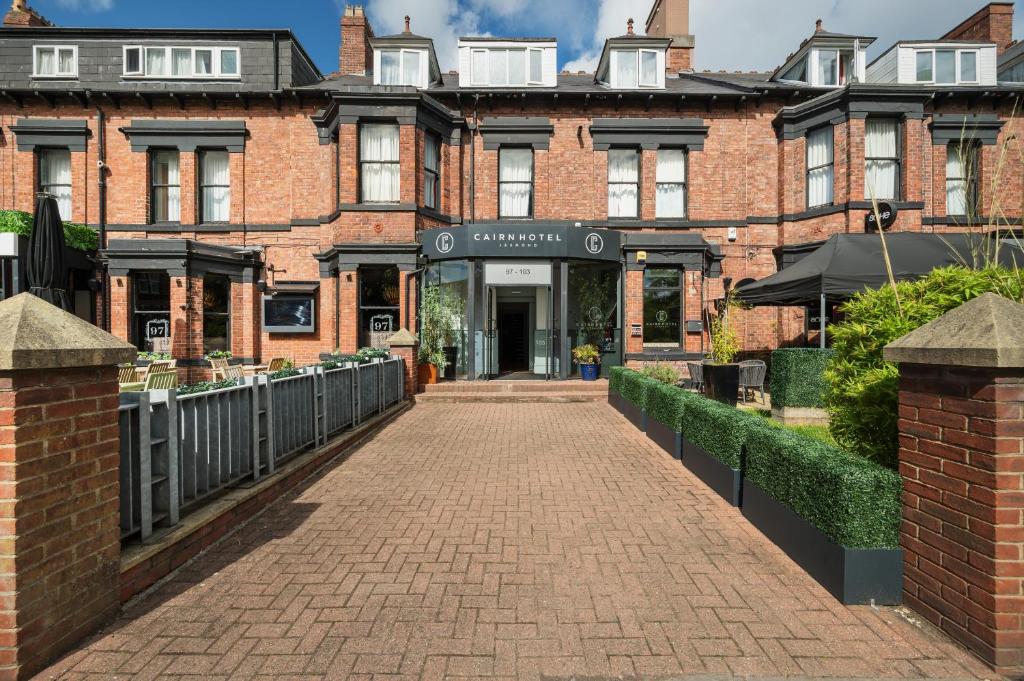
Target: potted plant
x=147, y=358
x=589, y=358
x=722, y=375
x=438, y=317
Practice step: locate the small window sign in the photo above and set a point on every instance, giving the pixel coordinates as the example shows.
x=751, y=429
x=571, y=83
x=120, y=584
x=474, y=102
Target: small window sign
x=636, y=330
x=886, y=211
x=158, y=328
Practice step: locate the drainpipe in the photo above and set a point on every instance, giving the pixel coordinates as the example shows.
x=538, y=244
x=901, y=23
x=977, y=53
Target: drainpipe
x=277, y=65
x=472, y=161
x=101, y=139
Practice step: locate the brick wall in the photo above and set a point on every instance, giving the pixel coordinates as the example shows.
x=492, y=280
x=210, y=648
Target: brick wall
x=992, y=23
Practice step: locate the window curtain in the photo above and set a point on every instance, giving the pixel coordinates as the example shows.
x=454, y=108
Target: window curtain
x=46, y=62
x=517, y=67
x=67, y=61
x=156, y=62
x=181, y=62
x=626, y=68
x=411, y=68
x=390, y=65
x=828, y=66
x=880, y=150
x=217, y=189
x=55, y=178
x=379, y=153
x=167, y=198
x=819, y=164
x=431, y=161
x=671, y=178
x=957, y=171
x=499, y=67
x=623, y=183
x=649, y=68
x=516, y=179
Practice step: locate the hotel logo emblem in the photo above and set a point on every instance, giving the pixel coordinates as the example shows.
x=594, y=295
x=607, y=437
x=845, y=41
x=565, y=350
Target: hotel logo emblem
x=595, y=244
x=662, y=316
x=445, y=242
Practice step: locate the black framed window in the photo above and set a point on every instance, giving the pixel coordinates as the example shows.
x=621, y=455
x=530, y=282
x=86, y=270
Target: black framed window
x=515, y=182
x=216, y=313
x=882, y=159
x=962, y=169
x=663, y=307
x=55, y=178
x=164, y=186
x=214, y=186
x=378, y=304
x=671, y=184
x=623, y=183
x=820, y=167
x=379, y=167
x=432, y=171
x=151, y=310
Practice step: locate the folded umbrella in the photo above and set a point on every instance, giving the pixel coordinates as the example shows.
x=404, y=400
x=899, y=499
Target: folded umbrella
x=46, y=270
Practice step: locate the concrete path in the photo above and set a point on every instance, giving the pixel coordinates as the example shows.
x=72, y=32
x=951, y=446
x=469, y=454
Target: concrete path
x=504, y=540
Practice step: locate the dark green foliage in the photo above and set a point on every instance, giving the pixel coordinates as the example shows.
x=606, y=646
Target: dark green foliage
x=667, y=404
x=718, y=429
x=634, y=388
x=615, y=379
x=855, y=502
x=284, y=373
x=862, y=389
x=662, y=372
x=154, y=356
x=78, y=237
x=798, y=377
x=206, y=386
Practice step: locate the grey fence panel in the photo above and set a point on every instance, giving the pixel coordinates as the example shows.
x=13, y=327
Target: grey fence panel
x=294, y=414
x=369, y=389
x=135, y=458
x=338, y=399
x=394, y=381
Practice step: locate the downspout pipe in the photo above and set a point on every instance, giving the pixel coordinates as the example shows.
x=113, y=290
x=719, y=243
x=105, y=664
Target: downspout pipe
x=101, y=143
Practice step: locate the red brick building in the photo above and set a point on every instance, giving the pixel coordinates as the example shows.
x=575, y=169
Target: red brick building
x=247, y=202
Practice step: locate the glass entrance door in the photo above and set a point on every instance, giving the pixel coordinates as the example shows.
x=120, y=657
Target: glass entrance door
x=517, y=333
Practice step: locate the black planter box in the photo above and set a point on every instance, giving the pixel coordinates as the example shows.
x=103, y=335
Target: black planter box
x=853, y=576
x=636, y=415
x=615, y=400
x=727, y=482
x=665, y=437
x=722, y=382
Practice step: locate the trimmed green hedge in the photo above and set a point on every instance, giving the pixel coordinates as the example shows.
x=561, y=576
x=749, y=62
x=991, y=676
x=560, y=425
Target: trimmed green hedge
x=718, y=429
x=855, y=502
x=667, y=404
x=634, y=388
x=616, y=376
x=798, y=377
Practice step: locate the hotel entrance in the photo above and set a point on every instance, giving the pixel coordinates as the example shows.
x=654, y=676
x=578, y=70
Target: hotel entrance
x=518, y=325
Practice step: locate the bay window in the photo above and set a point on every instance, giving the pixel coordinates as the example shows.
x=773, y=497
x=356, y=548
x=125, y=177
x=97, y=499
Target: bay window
x=55, y=61
x=432, y=172
x=820, y=170
x=165, y=187
x=55, y=178
x=216, y=313
x=214, y=186
x=623, y=183
x=961, y=179
x=881, y=159
x=378, y=162
x=671, y=184
x=663, y=308
x=515, y=183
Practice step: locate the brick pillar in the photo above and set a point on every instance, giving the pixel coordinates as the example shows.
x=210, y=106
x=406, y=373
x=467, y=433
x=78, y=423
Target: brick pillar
x=59, y=500
x=961, y=457
x=634, y=312
x=406, y=345
x=348, y=310
x=120, y=305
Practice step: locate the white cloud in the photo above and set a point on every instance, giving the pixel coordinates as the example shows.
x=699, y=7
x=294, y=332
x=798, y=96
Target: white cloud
x=87, y=5
x=443, y=20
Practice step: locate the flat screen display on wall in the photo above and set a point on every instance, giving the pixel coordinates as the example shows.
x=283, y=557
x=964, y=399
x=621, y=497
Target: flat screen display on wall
x=289, y=314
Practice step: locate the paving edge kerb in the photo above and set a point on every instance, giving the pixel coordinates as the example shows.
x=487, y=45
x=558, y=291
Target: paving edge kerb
x=144, y=565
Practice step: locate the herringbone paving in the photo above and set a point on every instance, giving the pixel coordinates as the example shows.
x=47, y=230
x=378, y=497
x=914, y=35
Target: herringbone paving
x=504, y=540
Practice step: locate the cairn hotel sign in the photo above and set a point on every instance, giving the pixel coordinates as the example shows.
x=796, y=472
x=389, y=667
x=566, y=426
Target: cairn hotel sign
x=528, y=240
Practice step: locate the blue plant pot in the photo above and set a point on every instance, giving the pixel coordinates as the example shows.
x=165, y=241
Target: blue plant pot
x=590, y=372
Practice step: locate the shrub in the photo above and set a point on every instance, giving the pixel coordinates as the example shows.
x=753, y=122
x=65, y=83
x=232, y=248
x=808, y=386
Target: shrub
x=154, y=356
x=78, y=237
x=855, y=502
x=667, y=403
x=206, y=386
x=718, y=429
x=861, y=388
x=634, y=388
x=798, y=377
x=615, y=379
x=284, y=373
x=661, y=372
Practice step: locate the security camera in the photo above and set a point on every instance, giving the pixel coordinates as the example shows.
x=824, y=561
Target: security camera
x=101, y=165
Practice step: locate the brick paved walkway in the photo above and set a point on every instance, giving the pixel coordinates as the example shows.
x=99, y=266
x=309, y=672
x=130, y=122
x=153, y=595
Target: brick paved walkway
x=510, y=540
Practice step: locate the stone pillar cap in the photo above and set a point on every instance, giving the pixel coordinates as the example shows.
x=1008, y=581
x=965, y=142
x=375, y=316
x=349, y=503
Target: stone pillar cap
x=983, y=332
x=37, y=335
x=403, y=339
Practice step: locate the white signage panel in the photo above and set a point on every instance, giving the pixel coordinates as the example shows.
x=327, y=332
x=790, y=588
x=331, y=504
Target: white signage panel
x=517, y=273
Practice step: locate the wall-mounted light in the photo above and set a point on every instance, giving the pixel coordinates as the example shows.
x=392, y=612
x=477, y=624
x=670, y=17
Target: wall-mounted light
x=641, y=256
x=261, y=285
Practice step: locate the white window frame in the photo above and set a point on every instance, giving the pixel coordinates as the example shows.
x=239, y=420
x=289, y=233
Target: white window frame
x=958, y=65
x=56, y=61
x=215, y=72
x=402, y=52
x=640, y=51
x=489, y=51
x=539, y=51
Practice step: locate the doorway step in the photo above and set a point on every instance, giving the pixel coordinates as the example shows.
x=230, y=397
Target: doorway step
x=515, y=391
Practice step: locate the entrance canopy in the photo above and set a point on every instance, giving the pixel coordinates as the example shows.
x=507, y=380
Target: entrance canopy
x=847, y=264
x=522, y=240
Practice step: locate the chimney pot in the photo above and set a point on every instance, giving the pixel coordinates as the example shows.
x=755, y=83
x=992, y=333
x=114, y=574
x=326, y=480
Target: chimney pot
x=407, y=22
x=629, y=26
x=818, y=26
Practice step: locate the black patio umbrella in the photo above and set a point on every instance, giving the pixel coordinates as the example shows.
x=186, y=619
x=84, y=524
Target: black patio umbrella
x=46, y=270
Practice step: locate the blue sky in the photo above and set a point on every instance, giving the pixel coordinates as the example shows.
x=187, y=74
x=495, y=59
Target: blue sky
x=731, y=34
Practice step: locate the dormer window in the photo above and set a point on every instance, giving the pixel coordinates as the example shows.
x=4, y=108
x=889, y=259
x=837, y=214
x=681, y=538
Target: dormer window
x=501, y=67
x=635, y=68
x=55, y=61
x=180, y=62
x=402, y=67
x=947, y=66
x=834, y=67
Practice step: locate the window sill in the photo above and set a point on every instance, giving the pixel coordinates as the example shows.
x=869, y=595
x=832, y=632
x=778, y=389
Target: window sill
x=376, y=207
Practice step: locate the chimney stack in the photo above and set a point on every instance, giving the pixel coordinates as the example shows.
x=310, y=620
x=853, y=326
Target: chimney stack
x=408, y=28
x=993, y=23
x=671, y=19
x=629, y=26
x=355, y=57
x=818, y=27
x=23, y=16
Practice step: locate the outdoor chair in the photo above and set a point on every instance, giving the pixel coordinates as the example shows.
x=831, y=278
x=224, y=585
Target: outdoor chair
x=127, y=374
x=696, y=375
x=274, y=365
x=219, y=365
x=155, y=380
x=234, y=372
x=752, y=373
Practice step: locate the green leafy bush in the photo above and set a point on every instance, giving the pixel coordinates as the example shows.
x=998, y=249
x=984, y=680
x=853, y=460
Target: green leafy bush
x=634, y=388
x=218, y=354
x=862, y=389
x=78, y=237
x=718, y=429
x=798, y=377
x=206, y=386
x=154, y=356
x=855, y=502
x=667, y=404
x=661, y=372
x=616, y=376
x=284, y=373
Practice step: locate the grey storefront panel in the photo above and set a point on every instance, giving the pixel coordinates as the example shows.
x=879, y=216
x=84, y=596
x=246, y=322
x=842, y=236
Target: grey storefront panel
x=531, y=241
